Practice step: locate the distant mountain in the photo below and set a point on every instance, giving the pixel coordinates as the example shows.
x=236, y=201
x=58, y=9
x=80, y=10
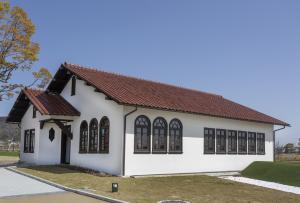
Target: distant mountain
x=9, y=131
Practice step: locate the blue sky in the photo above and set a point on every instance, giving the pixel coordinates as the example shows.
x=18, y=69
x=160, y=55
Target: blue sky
x=247, y=51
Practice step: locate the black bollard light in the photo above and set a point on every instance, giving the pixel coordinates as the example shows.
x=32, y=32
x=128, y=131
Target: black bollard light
x=114, y=187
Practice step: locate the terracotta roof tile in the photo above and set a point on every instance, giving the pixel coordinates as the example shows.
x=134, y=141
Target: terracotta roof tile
x=50, y=104
x=138, y=92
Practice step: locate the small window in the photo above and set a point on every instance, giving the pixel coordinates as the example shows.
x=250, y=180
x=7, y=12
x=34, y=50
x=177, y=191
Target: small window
x=159, y=137
x=142, y=131
x=83, y=138
x=242, y=142
x=260, y=143
x=175, y=136
x=33, y=112
x=93, y=140
x=73, y=88
x=104, y=135
x=29, y=141
x=26, y=141
x=221, y=141
x=251, y=143
x=31, y=145
x=209, y=140
x=232, y=141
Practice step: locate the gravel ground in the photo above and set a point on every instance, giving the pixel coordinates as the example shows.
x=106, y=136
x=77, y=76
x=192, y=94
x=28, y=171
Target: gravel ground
x=5, y=160
x=266, y=184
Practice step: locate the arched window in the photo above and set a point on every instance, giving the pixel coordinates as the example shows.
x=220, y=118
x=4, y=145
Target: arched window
x=159, y=135
x=175, y=136
x=83, y=137
x=93, y=140
x=142, y=128
x=104, y=135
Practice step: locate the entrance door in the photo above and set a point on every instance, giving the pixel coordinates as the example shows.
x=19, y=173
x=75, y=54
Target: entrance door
x=65, y=147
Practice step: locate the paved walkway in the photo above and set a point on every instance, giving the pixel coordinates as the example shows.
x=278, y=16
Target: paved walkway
x=13, y=184
x=16, y=188
x=266, y=184
x=62, y=197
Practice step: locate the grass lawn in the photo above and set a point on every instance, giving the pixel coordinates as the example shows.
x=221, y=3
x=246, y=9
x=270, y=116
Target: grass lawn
x=285, y=172
x=9, y=153
x=197, y=188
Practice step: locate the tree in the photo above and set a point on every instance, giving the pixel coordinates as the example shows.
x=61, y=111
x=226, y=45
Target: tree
x=17, y=51
x=289, y=148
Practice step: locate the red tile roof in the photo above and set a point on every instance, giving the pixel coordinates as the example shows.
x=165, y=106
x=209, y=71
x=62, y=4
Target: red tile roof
x=50, y=104
x=138, y=92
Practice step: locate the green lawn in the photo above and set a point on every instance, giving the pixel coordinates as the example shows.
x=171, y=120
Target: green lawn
x=195, y=188
x=285, y=172
x=9, y=153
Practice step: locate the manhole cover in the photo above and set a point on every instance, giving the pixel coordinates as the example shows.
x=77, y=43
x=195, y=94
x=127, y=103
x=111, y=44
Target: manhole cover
x=173, y=201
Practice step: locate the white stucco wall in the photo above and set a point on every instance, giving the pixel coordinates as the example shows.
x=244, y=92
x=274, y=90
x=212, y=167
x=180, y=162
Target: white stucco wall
x=28, y=123
x=49, y=152
x=92, y=104
x=193, y=158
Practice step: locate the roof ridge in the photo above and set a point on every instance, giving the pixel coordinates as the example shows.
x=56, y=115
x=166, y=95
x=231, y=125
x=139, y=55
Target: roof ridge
x=142, y=79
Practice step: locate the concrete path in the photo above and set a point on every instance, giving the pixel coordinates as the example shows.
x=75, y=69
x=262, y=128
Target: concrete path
x=266, y=184
x=13, y=184
x=62, y=197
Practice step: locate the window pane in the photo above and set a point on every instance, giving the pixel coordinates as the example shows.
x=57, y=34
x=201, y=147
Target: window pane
x=142, y=134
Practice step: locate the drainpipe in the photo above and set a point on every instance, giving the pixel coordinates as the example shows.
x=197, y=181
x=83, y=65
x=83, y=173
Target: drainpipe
x=274, y=150
x=124, y=139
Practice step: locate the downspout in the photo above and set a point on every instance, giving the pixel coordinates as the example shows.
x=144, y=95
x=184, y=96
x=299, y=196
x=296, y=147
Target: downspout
x=274, y=150
x=124, y=139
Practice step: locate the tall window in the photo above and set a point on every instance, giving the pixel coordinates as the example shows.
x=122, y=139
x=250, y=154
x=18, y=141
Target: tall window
x=159, y=137
x=73, y=88
x=209, y=140
x=175, y=136
x=83, y=139
x=221, y=141
x=104, y=135
x=232, y=141
x=260, y=143
x=33, y=112
x=242, y=140
x=32, y=137
x=29, y=141
x=251, y=143
x=142, y=130
x=93, y=138
x=26, y=141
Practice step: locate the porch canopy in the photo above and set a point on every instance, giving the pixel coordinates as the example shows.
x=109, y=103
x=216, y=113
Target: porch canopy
x=52, y=107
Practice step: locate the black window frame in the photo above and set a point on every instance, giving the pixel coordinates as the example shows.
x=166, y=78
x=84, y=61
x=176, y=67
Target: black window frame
x=221, y=141
x=179, y=134
x=93, y=138
x=207, y=138
x=32, y=141
x=158, y=125
x=26, y=141
x=251, y=142
x=29, y=141
x=73, y=86
x=261, y=143
x=148, y=135
x=83, y=137
x=242, y=136
x=232, y=141
x=104, y=131
x=34, y=112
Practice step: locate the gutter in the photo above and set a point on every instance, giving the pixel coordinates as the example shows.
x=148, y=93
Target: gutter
x=124, y=139
x=274, y=132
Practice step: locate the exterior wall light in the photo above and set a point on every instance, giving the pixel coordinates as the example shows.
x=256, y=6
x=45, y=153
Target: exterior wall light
x=114, y=187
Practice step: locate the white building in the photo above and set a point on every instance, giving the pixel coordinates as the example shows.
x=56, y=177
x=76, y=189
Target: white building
x=128, y=126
